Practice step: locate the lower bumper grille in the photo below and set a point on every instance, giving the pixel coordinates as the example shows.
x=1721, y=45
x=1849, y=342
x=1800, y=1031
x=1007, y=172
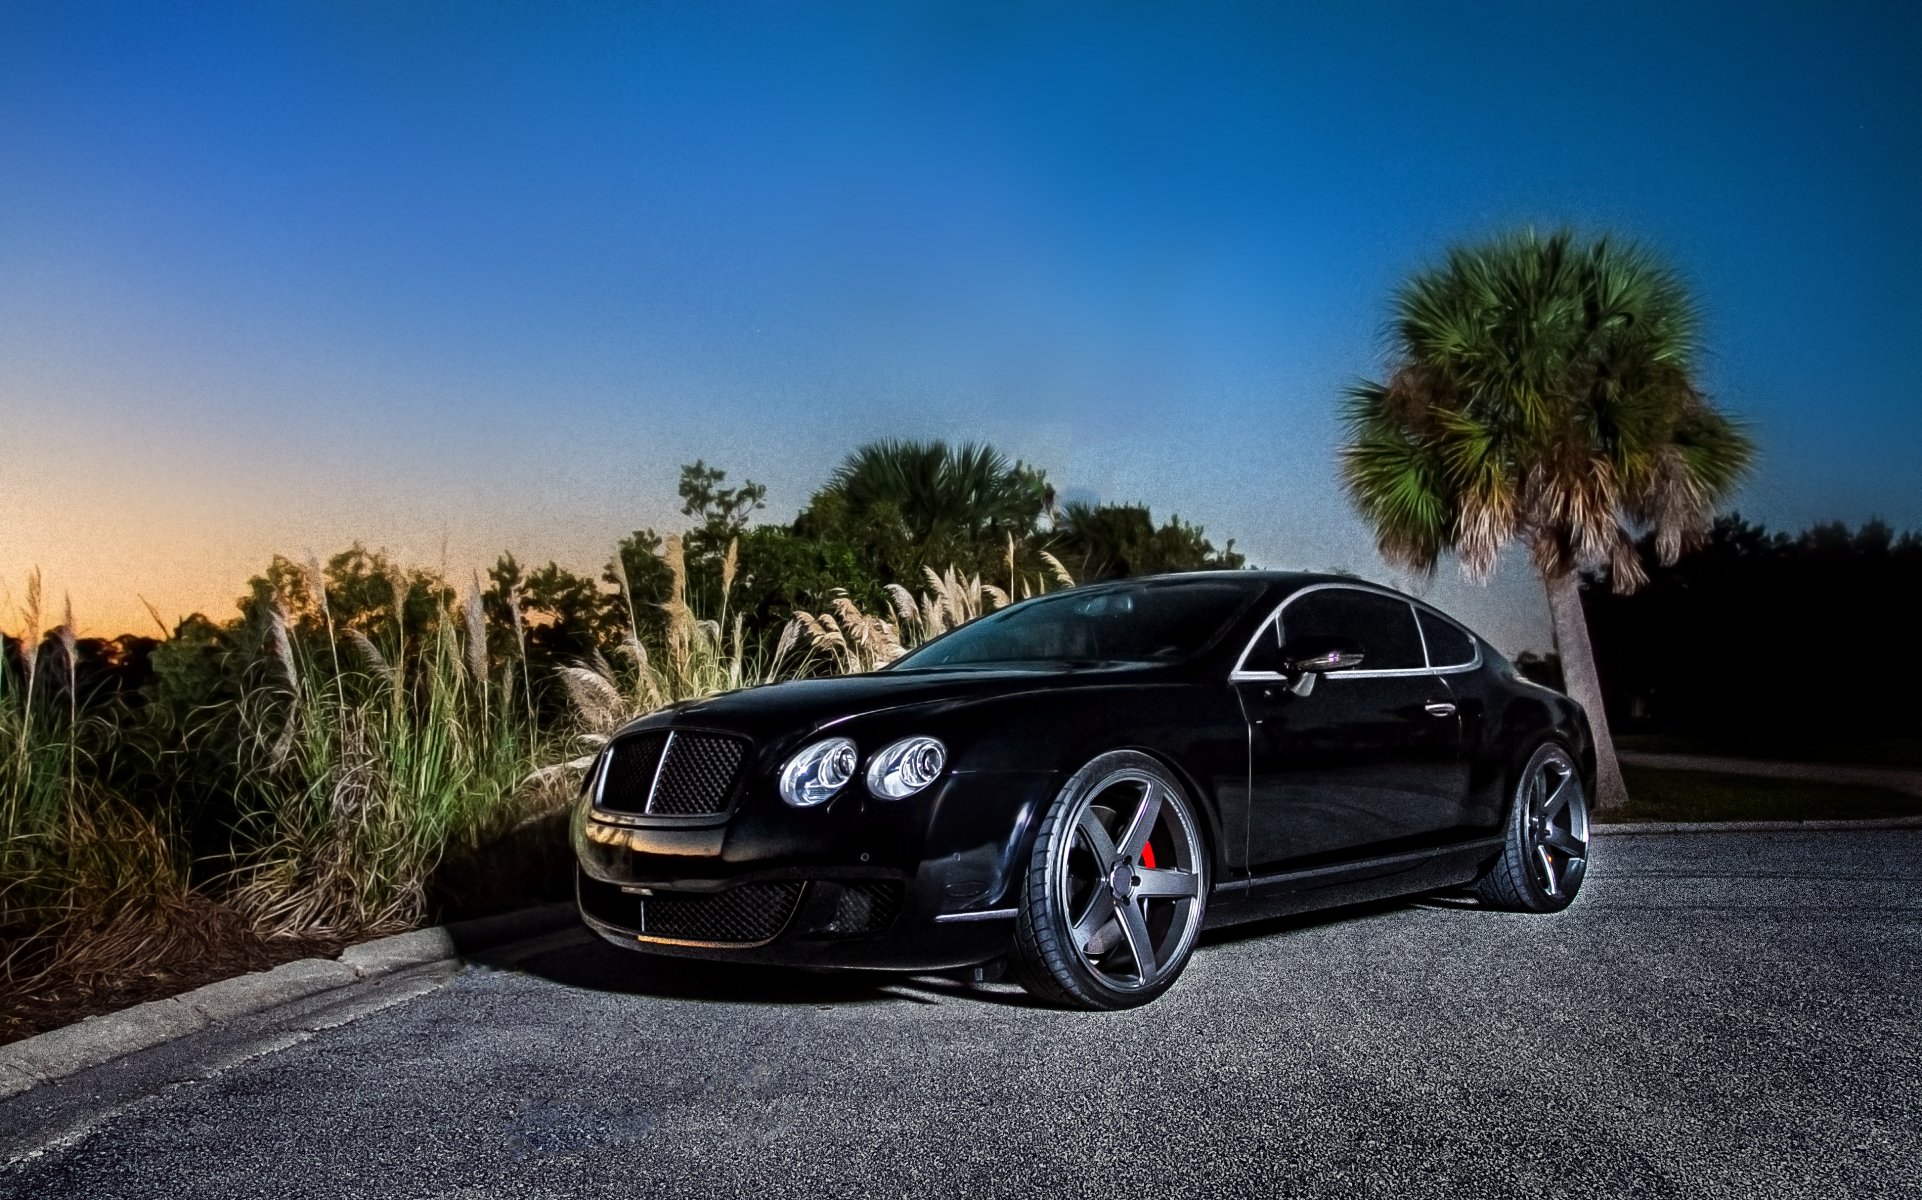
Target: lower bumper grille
x=752, y=912
x=852, y=909
x=748, y=914
x=745, y=915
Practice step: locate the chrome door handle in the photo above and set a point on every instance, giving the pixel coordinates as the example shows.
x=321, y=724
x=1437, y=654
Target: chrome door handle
x=1439, y=708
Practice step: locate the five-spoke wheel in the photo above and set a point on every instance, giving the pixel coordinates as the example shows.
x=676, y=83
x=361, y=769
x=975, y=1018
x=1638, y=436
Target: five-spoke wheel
x=1546, y=853
x=1116, y=889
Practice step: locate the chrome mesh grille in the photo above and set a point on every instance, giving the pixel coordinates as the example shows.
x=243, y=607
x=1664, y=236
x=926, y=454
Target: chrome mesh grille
x=697, y=774
x=630, y=772
x=675, y=774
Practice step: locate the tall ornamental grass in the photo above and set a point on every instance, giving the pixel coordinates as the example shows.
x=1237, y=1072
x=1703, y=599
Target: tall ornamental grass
x=698, y=656
x=86, y=880
x=852, y=641
x=369, y=743
x=368, y=757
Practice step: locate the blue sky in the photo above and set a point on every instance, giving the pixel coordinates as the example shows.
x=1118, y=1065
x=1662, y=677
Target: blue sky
x=457, y=278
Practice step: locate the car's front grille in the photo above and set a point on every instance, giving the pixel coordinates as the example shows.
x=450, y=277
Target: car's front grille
x=629, y=775
x=744, y=915
x=697, y=774
x=676, y=773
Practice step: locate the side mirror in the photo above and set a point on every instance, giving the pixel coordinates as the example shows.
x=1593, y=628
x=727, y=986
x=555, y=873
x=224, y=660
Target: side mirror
x=1318, y=656
x=1307, y=659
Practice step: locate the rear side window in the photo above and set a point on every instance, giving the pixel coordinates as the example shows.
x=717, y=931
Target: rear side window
x=1448, y=646
x=1383, y=626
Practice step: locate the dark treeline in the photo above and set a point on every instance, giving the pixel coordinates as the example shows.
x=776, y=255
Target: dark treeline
x=892, y=512
x=1762, y=642
x=1755, y=641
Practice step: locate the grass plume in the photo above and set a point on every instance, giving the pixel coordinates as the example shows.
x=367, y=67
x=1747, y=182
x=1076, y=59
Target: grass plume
x=76, y=859
x=363, y=778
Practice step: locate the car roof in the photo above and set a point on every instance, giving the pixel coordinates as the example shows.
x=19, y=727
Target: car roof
x=1279, y=580
x=1276, y=584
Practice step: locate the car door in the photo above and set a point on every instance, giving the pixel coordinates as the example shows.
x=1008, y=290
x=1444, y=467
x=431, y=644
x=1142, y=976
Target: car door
x=1369, y=759
x=1455, y=655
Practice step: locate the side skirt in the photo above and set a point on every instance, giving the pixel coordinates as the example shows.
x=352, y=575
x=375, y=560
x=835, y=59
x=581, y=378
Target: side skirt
x=1356, y=882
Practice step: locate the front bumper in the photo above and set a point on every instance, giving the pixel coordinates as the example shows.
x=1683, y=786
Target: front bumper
x=925, y=883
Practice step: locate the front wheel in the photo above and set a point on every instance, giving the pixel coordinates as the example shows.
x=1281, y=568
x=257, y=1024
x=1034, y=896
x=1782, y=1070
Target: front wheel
x=1545, y=854
x=1116, y=887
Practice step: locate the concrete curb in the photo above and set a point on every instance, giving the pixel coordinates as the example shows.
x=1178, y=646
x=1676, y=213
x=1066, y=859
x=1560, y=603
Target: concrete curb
x=96, y=1040
x=1632, y=828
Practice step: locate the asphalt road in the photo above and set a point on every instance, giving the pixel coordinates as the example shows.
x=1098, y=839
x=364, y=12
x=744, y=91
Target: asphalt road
x=1718, y=1015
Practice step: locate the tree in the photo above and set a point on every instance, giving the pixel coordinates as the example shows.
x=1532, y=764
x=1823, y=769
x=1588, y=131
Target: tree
x=1544, y=392
x=569, y=617
x=722, y=512
x=641, y=580
x=921, y=504
x=1114, y=541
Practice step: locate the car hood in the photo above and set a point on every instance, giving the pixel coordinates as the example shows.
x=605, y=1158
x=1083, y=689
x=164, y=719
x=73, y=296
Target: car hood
x=809, y=703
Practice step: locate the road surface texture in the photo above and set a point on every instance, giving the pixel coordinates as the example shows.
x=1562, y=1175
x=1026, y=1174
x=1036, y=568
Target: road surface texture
x=1719, y=1015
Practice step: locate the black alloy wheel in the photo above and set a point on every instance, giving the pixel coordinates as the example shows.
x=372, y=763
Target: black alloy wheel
x=1545, y=856
x=1116, y=888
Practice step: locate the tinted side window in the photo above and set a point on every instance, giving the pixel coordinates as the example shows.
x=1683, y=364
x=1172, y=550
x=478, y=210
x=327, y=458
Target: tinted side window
x=1127, y=622
x=1382, y=625
x=1447, y=645
x=1264, y=653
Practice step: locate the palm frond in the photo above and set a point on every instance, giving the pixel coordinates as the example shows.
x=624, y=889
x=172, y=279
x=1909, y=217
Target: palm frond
x=1542, y=389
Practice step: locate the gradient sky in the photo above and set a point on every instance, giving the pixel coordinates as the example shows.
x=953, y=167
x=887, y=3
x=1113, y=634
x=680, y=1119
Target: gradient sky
x=457, y=278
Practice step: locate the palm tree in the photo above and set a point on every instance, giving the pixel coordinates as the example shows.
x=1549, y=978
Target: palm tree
x=1114, y=541
x=971, y=490
x=1543, y=391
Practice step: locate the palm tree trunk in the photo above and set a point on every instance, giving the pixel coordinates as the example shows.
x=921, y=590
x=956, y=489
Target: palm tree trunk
x=1585, y=685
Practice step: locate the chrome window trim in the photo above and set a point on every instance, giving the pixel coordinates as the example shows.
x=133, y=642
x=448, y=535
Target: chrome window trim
x=1414, y=614
x=1237, y=675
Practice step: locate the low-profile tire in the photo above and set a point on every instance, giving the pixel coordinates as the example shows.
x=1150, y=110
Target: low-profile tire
x=1545, y=850
x=1116, y=887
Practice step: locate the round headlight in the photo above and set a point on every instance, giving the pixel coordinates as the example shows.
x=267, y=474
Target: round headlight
x=816, y=772
x=905, y=767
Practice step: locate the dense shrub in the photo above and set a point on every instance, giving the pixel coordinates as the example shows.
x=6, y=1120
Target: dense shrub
x=1766, y=641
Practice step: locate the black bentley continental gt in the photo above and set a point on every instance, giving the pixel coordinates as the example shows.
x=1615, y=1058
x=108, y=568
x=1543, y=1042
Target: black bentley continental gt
x=1080, y=783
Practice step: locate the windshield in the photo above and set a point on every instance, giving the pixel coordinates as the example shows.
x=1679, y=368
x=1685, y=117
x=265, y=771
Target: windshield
x=1148, y=621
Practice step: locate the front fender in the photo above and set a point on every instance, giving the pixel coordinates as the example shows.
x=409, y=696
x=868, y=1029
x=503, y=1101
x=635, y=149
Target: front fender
x=1197, y=732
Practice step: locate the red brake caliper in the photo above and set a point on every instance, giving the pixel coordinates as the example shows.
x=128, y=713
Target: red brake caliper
x=1147, y=856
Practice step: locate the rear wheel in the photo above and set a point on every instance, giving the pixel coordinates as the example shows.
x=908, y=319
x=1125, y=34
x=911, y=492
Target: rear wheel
x=1545, y=856
x=1116, y=887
